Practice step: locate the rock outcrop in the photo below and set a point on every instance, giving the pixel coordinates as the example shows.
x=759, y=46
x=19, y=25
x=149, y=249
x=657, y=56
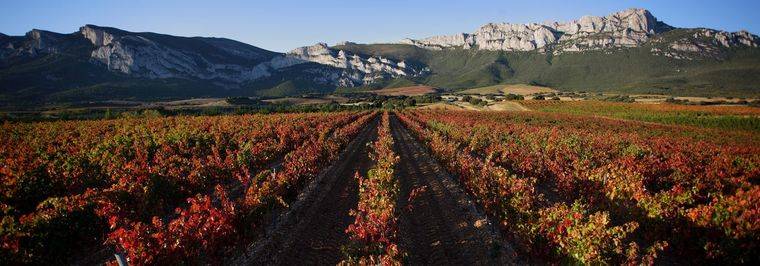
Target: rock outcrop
x=361, y=70
x=34, y=43
x=628, y=28
x=156, y=56
x=703, y=43
x=143, y=56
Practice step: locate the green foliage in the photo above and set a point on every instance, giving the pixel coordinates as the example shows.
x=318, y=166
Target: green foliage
x=243, y=101
x=514, y=97
x=427, y=98
x=477, y=101
x=620, y=98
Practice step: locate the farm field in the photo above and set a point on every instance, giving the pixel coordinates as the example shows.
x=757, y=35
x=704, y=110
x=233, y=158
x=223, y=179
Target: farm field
x=557, y=185
x=578, y=189
x=722, y=117
x=307, y=101
x=518, y=89
x=408, y=91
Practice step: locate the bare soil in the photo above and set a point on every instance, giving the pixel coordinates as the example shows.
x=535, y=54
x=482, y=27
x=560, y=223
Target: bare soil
x=312, y=232
x=441, y=226
x=408, y=91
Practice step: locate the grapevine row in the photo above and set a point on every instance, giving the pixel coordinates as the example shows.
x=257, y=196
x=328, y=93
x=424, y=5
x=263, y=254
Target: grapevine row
x=214, y=223
x=70, y=181
x=596, y=193
x=374, y=233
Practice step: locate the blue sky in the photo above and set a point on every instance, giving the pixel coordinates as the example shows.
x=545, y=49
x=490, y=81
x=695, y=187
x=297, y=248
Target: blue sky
x=285, y=24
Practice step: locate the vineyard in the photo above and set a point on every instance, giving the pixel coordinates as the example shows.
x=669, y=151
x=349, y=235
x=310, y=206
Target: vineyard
x=601, y=191
x=391, y=188
x=161, y=190
x=722, y=117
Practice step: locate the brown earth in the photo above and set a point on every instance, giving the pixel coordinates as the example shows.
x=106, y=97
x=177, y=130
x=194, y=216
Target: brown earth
x=441, y=226
x=308, y=101
x=408, y=91
x=313, y=231
x=519, y=89
x=442, y=106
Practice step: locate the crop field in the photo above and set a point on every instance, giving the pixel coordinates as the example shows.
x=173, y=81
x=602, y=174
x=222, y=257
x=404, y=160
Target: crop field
x=563, y=184
x=579, y=189
x=158, y=190
x=722, y=117
x=518, y=89
x=408, y=91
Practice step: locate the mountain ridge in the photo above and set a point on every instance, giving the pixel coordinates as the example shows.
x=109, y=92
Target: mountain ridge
x=628, y=28
x=103, y=63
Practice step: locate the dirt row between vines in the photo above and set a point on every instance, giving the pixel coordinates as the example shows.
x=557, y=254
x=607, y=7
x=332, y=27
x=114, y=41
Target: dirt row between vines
x=440, y=226
x=313, y=230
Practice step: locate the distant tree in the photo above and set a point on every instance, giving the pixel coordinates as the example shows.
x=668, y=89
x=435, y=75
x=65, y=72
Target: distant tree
x=514, y=97
x=620, y=98
x=536, y=83
x=477, y=101
x=108, y=114
x=410, y=102
x=539, y=97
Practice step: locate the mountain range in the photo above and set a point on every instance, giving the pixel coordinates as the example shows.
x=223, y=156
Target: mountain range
x=630, y=51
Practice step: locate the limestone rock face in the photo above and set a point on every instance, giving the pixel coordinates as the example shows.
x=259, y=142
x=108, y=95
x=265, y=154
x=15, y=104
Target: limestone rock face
x=223, y=61
x=622, y=29
x=513, y=37
x=137, y=55
x=358, y=70
x=728, y=39
x=41, y=42
x=705, y=43
x=628, y=28
x=134, y=54
x=33, y=43
x=439, y=42
x=97, y=37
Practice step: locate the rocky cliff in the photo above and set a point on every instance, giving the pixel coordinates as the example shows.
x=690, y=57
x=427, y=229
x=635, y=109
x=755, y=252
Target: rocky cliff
x=157, y=56
x=358, y=70
x=145, y=55
x=628, y=28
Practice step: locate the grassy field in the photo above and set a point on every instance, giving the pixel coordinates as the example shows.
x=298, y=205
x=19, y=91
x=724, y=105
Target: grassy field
x=722, y=117
x=519, y=89
x=307, y=101
x=408, y=91
x=507, y=106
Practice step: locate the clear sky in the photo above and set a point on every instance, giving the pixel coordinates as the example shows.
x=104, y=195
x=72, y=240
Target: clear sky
x=282, y=25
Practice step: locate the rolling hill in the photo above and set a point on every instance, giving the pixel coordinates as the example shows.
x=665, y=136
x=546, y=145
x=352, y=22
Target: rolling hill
x=626, y=52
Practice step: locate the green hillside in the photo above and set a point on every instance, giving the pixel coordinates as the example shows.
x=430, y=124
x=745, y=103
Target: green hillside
x=734, y=72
